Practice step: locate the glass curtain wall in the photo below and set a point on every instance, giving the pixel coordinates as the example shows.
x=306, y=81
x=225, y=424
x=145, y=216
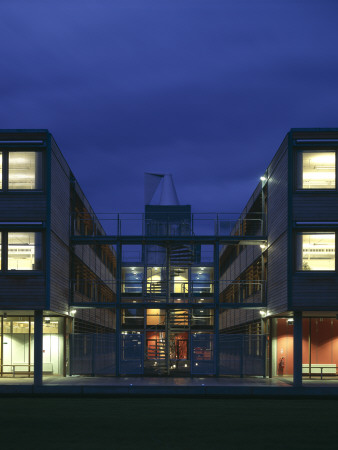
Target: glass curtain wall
x=18, y=346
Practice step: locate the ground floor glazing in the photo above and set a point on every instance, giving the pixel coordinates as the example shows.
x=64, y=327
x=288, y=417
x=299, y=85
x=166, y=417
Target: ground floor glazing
x=154, y=343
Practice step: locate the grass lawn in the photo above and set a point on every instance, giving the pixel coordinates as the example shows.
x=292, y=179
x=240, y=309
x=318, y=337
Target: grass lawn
x=168, y=423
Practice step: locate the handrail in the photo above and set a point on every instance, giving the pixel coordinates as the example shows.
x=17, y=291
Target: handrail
x=170, y=224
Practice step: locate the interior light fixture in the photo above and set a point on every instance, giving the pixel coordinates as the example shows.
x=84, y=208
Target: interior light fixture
x=72, y=312
x=263, y=313
x=263, y=246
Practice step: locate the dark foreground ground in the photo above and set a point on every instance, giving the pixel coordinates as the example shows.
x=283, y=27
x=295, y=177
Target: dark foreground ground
x=168, y=423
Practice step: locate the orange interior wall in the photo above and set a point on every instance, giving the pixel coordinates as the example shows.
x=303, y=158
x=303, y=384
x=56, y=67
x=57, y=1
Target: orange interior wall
x=324, y=343
x=151, y=337
x=284, y=347
x=181, y=345
x=324, y=334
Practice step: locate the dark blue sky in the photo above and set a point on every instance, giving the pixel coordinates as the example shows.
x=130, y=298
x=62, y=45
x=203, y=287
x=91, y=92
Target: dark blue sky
x=205, y=90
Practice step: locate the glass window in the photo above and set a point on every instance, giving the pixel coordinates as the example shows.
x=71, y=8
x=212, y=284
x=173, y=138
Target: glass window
x=132, y=280
x=25, y=170
x=202, y=279
x=132, y=318
x=24, y=251
x=316, y=170
x=316, y=251
x=155, y=317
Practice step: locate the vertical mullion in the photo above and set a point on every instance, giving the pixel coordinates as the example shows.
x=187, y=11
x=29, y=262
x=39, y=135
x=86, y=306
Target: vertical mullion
x=4, y=251
x=5, y=158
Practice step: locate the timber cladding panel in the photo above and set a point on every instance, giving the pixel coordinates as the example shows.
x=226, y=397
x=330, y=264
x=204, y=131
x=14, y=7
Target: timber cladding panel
x=229, y=318
x=277, y=282
x=23, y=292
x=277, y=226
x=26, y=206
x=60, y=232
x=90, y=259
x=60, y=195
x=315, y=206
x=277, y=220
x=60, y=275
x=314, y=291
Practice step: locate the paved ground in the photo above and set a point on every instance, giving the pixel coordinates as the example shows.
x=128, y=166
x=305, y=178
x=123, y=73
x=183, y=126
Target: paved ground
x=253, y=386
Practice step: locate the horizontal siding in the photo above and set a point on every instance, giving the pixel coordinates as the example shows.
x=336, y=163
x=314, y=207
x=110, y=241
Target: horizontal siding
x=277, y=220
x=27, y=207
x=87, y=255
x=23, y=292
x=99, y=316
x=60, y=275
x=235, y=317
x=277, y=286
x=60, y=231
x=242, y=262
x=60, y=197
x=308, y=207
x=315, y=291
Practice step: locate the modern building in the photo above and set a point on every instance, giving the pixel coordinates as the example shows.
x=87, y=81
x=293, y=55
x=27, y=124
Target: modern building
x=169, y=291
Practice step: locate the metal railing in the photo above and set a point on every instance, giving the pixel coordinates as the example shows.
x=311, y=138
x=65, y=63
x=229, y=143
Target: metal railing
x=172, y=225
x=242, y=292
x=231, y=292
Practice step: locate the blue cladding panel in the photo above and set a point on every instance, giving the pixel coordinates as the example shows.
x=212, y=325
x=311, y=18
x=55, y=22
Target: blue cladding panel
x=131, y=354
x=92, y=354
x=203, y=354
x=242, y=354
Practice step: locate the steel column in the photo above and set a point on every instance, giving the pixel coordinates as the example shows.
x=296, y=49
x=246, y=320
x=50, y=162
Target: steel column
x=38, y=346
x=216, y=310
x=118, y=305
x=297, y=348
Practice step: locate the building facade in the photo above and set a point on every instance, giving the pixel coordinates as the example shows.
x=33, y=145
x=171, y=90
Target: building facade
x=167, y=291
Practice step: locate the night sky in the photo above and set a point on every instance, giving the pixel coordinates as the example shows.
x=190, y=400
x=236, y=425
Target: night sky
x=205, y=90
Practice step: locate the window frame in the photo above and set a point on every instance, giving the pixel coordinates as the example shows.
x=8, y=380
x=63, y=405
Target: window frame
x=5, y=169
x=4, y=250
x=295, y=251
x=306, y=149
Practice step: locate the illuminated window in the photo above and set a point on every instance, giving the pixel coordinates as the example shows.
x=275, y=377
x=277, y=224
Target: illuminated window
x=316, y=251
x=316, y=170
x=25, y=170
x=24, y=251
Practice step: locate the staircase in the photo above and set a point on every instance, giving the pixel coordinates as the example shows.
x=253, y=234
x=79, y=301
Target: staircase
x=157, y=289
x=156, y=353
x=181, y=255
x=178, y=318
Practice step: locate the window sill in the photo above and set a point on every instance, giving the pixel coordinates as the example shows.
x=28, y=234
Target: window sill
x=316, y=191
x=21, y=272
x=326, y=273
x=22, y=191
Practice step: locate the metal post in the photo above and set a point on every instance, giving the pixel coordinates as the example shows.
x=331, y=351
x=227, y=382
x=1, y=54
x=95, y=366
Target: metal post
x=118, y=305
x=309, y=347
x=242, y=357
x=38, y=347
x=216, y=303
x=167, y=321
x=297, y=349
